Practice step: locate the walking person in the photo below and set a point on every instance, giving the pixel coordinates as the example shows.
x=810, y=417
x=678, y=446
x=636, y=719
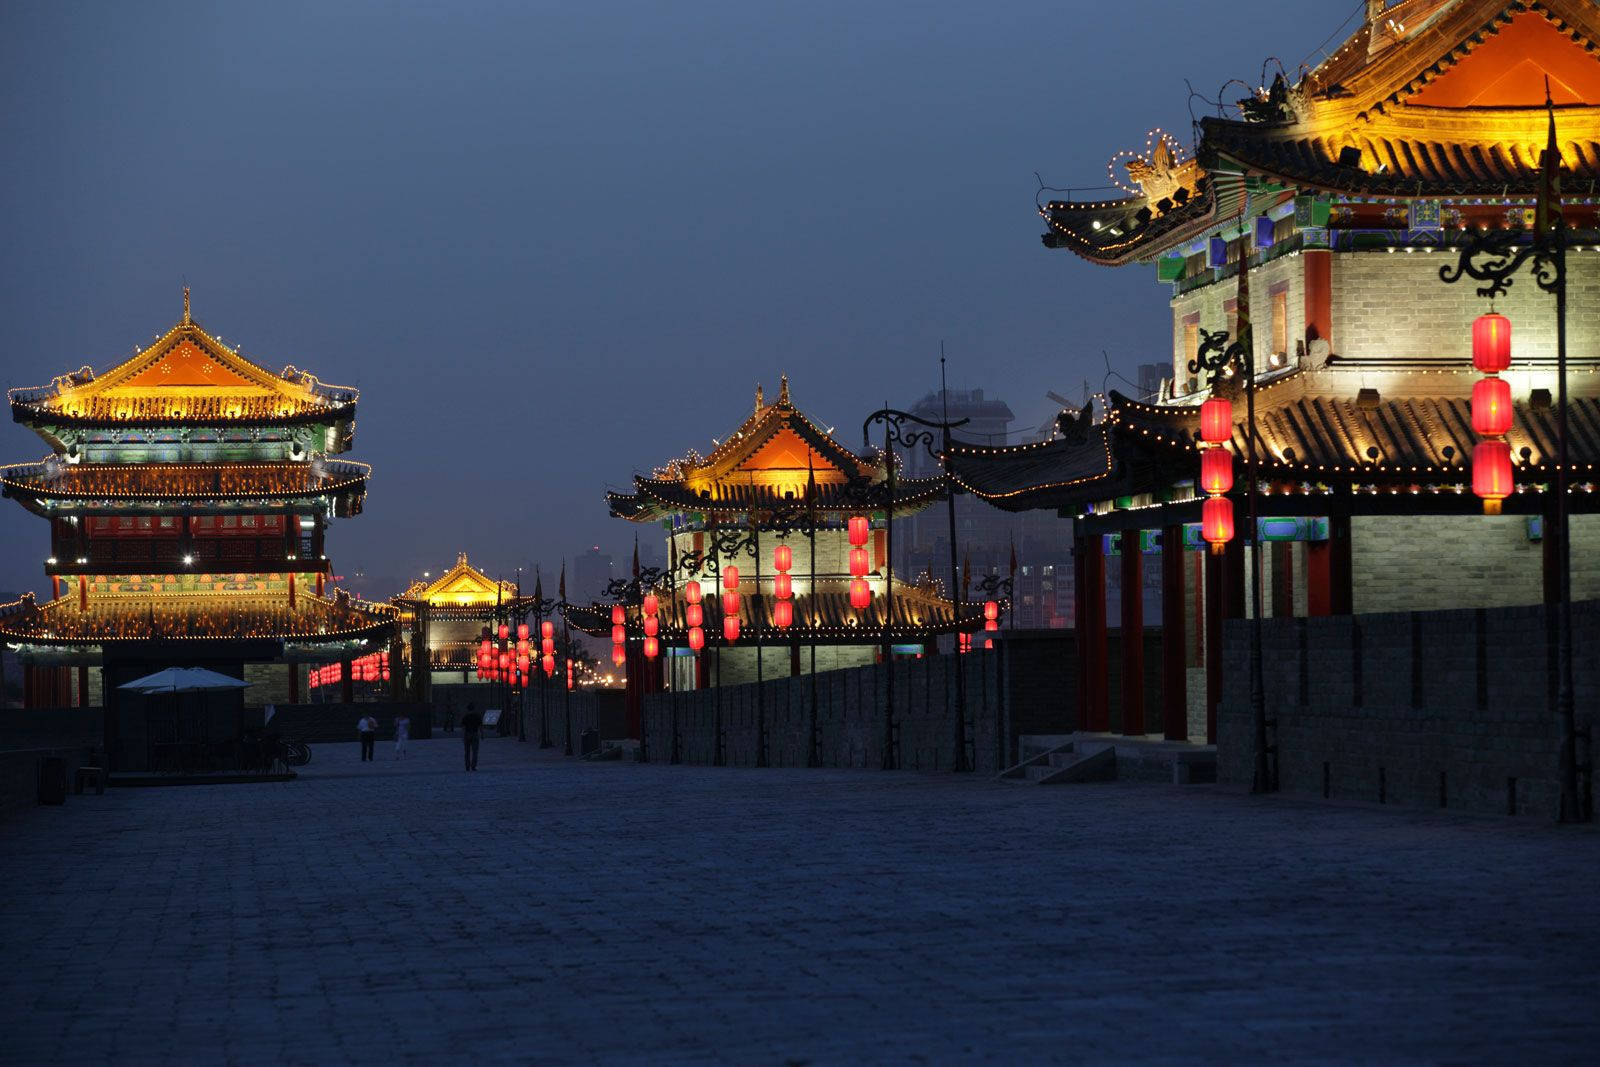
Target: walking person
x=471, y=725
x=368, y=729
x=402, y=734
x=449, y=718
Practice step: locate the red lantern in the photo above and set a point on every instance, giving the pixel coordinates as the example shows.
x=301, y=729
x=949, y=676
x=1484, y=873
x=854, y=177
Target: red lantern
x=522, y=631
x=484, y=647
x=697, y=639
x=964, y=642
x=858, y=530
x=1491, y=406
x=547, y=629
x=730, y=603
x=1491, y=473
x=1216, y=522
x=859, y=562
x=505, y=631
x=783, y=587
x=618, y=656
x=1491, y=343
x=782, y=558
x=730, y=628
x=783, y=614
x=1216, y=471
x=547, y=645
x=991, y=610
x=694, y=615
x=619, y=634
x=860, y=594
x=549, y=664
x=1216, y=420
x=730, y=577
x=524, y=679
x=505, y=660
x=991, y=624
x=652, y=604
x=652, y=625
x=691, y=592
x=569, y=674
x=522, y=647
x=618, y=615
x=522, y=663
x=652, y=648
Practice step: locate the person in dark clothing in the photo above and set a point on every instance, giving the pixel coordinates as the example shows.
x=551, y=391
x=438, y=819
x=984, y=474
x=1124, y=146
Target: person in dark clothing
x=368, y=729
x=471, y=725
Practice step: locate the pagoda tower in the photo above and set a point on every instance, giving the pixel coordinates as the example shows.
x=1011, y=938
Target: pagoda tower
x=188, y=492
x=778, y=480
x=444, y=618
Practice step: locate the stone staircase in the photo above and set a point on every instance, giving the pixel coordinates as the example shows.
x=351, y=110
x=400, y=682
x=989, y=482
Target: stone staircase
x=1064, y=759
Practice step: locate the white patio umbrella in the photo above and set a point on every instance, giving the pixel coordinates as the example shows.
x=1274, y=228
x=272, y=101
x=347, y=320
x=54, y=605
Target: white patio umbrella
x=185, y=680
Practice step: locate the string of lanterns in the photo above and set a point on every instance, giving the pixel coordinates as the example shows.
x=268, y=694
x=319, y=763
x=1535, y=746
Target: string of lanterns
x=730, y=603
x=1491, y=411
x=783, y=587
x=860, y=564
x=652, y=626
x=372, y=667
x=694, y=615
x=1216, y=472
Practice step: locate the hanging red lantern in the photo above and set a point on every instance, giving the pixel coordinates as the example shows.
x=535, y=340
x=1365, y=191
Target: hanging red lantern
x=1216, y=420
x=652, y=604
x=618, y=615
x=783, y=587
x=783, y=614
x=505, y=631
x=522, y=646
x=782, y=558
x=694, y=615
x=730, y=603
x=485, y=646
x=652, y=625
x=1491, y=473
x=619, y=634
x=691, y=592
x=860, y=594
x=524, y=679
x=860, y=563
x=652, y=648
x=618, y=655
x=1491, y=343
x=1216, y=522
x=569, y=674
x=547, y=645
x=697, y=639
x=1491, y=406
x=991, y=610
x=505, y=660
x=549, y=664
x=522, y=631
x=858, y=530
x=522, y=663
x=1216, y=471
x=547, y=629
x=730, y=628
x=730, y=577
x=964, y=643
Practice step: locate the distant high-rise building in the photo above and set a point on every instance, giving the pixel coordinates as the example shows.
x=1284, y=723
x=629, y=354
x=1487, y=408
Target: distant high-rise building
x=591, y=573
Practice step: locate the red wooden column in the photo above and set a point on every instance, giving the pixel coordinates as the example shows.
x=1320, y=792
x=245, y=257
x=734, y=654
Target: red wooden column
x=1319, y=578
x=1341, y=567
x=1319, y=294
x=1097, y=714
x=1132, y=634
x=1174, y=674
x=294, y=680
x=347, y=682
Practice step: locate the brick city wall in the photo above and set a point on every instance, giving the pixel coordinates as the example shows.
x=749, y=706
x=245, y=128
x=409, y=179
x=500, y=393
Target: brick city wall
x=1392, y=305
x=1025, y=685
x=1411, y=707
x=1208, y=302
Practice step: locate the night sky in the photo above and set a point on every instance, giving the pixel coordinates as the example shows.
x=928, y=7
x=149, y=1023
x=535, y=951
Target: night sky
x=554, y=244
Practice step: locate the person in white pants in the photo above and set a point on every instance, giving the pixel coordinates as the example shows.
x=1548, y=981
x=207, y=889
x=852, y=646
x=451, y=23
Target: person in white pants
x=402, y=734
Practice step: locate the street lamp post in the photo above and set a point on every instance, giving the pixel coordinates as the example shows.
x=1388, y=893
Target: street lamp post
x=630, y=592
x=1218, y=358
x=901, y=428
x=540, y=606
x=1493, y=256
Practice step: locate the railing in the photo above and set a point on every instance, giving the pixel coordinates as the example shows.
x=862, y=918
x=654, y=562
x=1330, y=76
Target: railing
x=181, y=481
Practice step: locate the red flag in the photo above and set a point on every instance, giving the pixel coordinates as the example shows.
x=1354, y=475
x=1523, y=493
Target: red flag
x=1013, y=559
x=562, y=591
x=636, y=555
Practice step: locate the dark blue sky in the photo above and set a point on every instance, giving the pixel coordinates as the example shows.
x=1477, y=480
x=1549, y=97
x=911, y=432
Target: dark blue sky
x=556, y=243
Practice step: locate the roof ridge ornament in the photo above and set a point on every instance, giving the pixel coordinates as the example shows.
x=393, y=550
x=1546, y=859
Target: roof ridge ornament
x=186, y=319
x=760, y=399
x=783, y=391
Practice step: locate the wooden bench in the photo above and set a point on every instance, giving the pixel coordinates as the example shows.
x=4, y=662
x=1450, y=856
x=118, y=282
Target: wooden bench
x=92, y=775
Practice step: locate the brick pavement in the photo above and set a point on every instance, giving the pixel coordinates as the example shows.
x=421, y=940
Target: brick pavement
x=545, y=910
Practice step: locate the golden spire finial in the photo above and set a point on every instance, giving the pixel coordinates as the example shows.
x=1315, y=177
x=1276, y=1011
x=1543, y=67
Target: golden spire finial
x=783, y=390
x=186, y=319
x=761, y=399
x=461, y=559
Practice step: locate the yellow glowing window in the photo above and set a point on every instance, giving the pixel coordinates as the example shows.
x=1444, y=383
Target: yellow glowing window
x=1280, y=321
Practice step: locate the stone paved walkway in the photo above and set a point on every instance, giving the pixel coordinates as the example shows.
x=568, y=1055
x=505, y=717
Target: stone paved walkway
x=545, y=910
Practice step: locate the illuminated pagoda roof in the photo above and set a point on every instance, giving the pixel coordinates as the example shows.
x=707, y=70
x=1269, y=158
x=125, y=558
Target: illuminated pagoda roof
x=192, y=615
x=52, y=483
x=919, y=611
x=463, y=588
x=1321, y=430
x=763, y=464
x=186, y=378
x=1432, y=99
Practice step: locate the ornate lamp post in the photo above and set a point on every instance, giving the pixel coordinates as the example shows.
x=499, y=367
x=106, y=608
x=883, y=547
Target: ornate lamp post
x=635, y=592
x=902, y=428
x=1493, y=256
x=1215, y=357
x=541, y=607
